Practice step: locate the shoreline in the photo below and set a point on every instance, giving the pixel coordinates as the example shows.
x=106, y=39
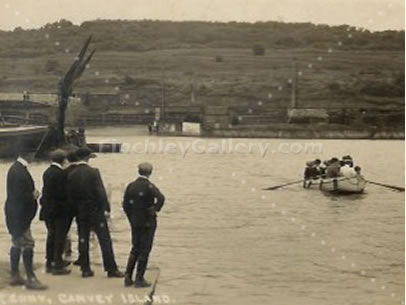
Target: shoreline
x=265, y=132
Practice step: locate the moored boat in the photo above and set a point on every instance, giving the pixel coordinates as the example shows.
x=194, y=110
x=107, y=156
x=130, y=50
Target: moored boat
x=343, y=184
x=105, y=147
x=29, y=136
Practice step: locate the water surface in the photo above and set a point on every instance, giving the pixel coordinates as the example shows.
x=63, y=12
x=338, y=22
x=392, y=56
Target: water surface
x=221, y=240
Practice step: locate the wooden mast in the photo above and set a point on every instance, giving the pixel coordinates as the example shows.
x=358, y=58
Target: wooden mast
x=66, y=87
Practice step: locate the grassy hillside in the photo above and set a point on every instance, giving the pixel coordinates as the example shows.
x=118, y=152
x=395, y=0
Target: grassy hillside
x=365, y=70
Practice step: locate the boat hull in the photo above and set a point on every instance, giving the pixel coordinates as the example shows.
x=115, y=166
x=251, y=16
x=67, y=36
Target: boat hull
x=312, y=183
x=29, y=136
x=343, y=185
x=105, y=147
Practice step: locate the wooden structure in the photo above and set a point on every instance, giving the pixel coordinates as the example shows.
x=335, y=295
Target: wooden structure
x=66, y=87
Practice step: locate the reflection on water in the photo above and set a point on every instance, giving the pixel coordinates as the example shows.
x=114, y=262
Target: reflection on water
x=221, y=240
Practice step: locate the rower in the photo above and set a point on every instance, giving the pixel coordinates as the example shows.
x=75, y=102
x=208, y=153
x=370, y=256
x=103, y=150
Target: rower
x=310, y=174
x=318, y=167
x=333, y=169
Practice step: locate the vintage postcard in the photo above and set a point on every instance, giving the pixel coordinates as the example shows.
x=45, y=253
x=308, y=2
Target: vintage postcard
x=205, y=152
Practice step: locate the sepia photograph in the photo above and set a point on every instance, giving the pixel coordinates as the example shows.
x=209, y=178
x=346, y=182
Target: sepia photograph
x=202, y=152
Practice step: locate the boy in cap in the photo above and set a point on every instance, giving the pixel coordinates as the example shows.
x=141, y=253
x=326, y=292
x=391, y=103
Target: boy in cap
x=142, y=201
x=20, y=209
x=86, y=190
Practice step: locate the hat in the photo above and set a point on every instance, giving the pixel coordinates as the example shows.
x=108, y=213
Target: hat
x=72, y=157
x=309, y=163
x=347, y=157
x=58, y=155
x=84, y=152
x=145, y=168
x=21, y=147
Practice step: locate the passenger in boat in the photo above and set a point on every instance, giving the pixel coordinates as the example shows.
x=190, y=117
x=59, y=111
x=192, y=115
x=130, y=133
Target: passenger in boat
x=86, y=190
x=348, y=160
x=310, y=174
x=323, y=167
x=317, y=165
x=20, y=209
x=358, y=171
x=81, y=137
x=310, y=170
x=55, y=212
x=142, y=201
x=333, y=169
x=347, y=169
x=73, y=138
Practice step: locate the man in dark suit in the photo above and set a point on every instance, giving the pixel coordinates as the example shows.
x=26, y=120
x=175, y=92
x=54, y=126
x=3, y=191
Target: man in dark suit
x=85, y=189
x=20, y=209
x=56, y=213
x=72, y=159
x=142, y=201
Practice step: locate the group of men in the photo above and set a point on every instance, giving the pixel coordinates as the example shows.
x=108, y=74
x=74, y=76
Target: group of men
x=330, y=169
x=73, y=190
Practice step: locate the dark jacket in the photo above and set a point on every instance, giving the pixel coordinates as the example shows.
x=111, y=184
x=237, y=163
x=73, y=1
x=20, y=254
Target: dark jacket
x=72, y=205
x=53, y=201
x=311, y=172
x=85, y=189
x=333, y=170
x=142, y=199
x=20, y=207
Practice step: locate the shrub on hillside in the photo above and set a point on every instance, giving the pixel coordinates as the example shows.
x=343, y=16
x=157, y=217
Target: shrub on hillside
x=219, y=59
x=52, y=65
x=128, y=80
x=258, y=50
x=334, y=87
x=379, y=89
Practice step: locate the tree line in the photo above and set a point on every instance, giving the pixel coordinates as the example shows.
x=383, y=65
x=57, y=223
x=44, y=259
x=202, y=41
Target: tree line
x=145, y=35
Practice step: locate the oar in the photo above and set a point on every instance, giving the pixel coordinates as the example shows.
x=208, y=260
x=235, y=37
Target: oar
x=272, y=188
x=397, y=188
x=282, y=185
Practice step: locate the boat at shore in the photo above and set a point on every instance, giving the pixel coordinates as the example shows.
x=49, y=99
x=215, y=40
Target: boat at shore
x=29, y=136
x=343, y=185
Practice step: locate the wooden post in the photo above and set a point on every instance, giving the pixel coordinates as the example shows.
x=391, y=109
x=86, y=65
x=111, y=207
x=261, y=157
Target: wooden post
x=294, y=87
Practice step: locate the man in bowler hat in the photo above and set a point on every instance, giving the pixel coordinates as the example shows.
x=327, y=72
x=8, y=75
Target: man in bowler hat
x=86, y=191
x=142, y=201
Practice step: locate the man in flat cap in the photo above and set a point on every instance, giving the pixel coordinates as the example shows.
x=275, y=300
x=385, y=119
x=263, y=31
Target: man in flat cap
x=142, y=201
x=20, y=209
x=56, y=213
x=85, y=189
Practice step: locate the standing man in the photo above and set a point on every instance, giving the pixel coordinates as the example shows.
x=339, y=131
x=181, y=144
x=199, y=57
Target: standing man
x=56, y=213
x=20, y=209
x=86, y=190
x=142, y=201
x=72, y=159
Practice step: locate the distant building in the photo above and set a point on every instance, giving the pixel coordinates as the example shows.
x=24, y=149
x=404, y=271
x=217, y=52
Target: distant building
x=307, y=115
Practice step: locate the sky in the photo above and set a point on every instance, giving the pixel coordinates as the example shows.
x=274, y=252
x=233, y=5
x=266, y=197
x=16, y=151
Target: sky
x=371, y=14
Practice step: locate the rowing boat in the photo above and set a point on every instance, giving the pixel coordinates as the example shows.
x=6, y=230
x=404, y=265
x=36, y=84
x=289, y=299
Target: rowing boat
x=343, y=184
